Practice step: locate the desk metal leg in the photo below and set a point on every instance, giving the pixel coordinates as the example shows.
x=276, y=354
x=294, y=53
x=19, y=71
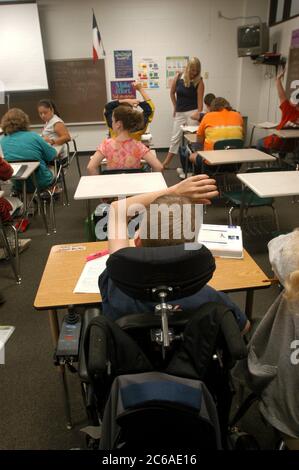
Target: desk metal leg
x=242, y=206
x=251, y=136
x=78, y=165
x=90, y=234
x=249, y=303
x=54, y=326
x=40, y=204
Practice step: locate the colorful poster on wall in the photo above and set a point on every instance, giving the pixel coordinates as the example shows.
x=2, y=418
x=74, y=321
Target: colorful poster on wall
x=122, y=89
x=173, y=66
x=295, y=38
x=123, y=63
x=148, y=73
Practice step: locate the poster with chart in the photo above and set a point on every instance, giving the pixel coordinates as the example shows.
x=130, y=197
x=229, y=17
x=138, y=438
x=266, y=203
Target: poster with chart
x=148, y=73
x=123, y=64
x=173, y=66
x=122, y=89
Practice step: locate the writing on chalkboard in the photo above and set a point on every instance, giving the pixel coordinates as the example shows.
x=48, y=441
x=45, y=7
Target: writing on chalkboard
x=78, y=88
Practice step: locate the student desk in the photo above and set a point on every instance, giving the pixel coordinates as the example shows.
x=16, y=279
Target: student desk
x=226, y=157
x=65, y=264
x=261, y=125
x=270, y=184
x=190, y=138
x=110, y=186
x=30, y=171
x=287, y=133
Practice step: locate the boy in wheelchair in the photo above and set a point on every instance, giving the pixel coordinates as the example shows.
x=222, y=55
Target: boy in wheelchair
x=142, y=397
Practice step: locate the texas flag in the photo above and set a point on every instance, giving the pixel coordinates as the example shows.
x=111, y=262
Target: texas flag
x=97, y=46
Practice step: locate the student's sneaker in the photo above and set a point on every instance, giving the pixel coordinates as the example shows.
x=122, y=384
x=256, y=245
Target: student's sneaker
x=182, y=175
x=180, y=171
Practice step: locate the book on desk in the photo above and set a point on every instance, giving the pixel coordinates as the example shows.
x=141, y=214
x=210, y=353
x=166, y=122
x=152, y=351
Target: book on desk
x=222, y=240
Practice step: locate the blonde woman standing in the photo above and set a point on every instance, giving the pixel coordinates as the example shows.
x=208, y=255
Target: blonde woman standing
x=186, y=94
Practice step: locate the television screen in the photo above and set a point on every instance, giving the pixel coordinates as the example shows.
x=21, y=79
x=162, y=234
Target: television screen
x=249, y=36
x=253, y=39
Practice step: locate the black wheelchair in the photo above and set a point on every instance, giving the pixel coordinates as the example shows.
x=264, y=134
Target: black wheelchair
x=160, y=379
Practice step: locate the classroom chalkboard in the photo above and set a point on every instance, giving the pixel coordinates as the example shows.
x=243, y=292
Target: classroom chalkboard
x=77, y=86
x=293, y=71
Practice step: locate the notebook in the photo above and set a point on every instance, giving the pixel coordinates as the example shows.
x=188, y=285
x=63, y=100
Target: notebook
x=222, y=240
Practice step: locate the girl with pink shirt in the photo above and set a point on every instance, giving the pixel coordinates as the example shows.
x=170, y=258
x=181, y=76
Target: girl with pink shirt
x=122, y=151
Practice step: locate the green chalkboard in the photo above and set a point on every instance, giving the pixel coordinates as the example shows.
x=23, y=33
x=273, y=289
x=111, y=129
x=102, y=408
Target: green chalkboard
x=77, y=86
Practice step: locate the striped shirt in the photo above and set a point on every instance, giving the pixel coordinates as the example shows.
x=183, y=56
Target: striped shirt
x=220, y=125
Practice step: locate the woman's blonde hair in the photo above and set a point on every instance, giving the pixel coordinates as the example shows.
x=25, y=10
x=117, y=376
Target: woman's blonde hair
x=193, y=62
x=15, y=120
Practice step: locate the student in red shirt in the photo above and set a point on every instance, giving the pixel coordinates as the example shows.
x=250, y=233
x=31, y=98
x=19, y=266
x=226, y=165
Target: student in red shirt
x=6, y=172
x=289, y=119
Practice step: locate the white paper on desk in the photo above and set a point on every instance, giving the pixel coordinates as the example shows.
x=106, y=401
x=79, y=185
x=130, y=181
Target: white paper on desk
x=88, y=281
x=266, y=125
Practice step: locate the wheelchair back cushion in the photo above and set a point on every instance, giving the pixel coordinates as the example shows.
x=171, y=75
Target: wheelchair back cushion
x=136, y=271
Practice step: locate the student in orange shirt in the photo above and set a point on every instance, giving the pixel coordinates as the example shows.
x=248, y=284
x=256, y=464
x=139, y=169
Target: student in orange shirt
x=221, y=123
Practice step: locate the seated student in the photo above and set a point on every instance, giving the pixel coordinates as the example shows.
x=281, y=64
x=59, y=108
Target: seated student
x=19, y=144
x=289, y=119
x=7, y=204
x=220, y=123
x=122, y=151
x=54, y=131
x=271, y=369
x=192, y=191
x=147, y=107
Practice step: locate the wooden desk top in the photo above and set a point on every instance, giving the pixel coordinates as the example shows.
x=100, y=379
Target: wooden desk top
x=65, y=265
x=224, y=157
x=272, y=183
x=127, y=184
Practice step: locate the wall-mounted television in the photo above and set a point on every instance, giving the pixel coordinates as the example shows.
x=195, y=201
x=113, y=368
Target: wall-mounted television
x=253, y=39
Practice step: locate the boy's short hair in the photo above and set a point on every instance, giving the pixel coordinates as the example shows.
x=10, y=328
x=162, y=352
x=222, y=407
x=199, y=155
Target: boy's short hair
x=170, y=220
x=208, y=99
x=131, y=119
x=220, y=103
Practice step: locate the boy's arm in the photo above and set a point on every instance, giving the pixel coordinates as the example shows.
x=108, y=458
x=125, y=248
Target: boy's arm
x=280, y=89
x=200, y=189
x=108, y=111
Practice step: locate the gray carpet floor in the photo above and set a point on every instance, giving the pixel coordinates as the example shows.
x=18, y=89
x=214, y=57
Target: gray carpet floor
x=32, y=414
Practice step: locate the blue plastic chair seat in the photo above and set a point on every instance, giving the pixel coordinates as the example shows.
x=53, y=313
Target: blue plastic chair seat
x=250, y=199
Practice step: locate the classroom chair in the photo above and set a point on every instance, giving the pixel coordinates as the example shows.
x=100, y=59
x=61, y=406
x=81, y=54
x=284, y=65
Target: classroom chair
x=73, y=154
x=14, y=260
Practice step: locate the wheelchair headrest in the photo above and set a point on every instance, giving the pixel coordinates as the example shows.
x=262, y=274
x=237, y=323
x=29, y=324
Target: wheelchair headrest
x=136, y=271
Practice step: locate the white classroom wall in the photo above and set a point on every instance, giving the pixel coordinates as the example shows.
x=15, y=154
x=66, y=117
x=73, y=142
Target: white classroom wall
x=269, y=103
x=158, y=29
